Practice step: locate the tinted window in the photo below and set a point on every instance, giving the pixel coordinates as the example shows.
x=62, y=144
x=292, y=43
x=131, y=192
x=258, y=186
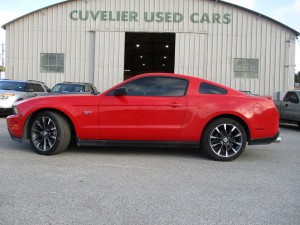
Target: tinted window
x=15, y=86
x=88, y=88
x=59, y=88
x=291, y=97
x=287, y=97
x=38, y=88
x=206, y=88
x=157, y=86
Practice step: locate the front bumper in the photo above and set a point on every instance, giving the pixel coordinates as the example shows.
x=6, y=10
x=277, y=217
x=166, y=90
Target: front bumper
x=274, y=139
x=14, y=127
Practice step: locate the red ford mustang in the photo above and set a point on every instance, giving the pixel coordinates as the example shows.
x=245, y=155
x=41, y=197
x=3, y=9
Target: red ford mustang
x=157, y=110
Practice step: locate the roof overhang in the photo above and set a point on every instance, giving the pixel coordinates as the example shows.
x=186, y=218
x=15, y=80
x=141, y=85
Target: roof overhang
x=216, y=1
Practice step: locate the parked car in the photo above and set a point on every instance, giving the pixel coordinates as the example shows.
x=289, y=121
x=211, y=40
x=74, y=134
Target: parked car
x=12, y=91
x=289, y=108
x=152, y=110
x=74, y=87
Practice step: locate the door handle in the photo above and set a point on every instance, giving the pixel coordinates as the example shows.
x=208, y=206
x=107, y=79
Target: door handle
x=175, y=105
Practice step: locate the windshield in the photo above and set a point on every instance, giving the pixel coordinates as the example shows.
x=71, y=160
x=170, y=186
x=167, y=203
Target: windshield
x=59, y=88
x=12, y=85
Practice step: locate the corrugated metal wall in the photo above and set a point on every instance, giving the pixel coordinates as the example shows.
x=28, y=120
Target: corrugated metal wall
x=94, y=47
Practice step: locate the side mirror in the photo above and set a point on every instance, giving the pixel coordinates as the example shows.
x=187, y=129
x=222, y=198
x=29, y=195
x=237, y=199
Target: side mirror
x=121, y=91
x=30, y=90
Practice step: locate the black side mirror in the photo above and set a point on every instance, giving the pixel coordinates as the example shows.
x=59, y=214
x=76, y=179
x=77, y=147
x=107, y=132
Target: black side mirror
x=121, y=91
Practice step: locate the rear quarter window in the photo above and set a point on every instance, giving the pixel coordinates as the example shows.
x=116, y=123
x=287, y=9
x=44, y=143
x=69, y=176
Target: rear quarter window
x=206, y=88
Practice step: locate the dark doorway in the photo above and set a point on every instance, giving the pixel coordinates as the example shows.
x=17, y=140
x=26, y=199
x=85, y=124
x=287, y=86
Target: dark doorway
x=149, y=52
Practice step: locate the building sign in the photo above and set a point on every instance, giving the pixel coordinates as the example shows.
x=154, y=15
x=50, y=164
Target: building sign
x=149, y=17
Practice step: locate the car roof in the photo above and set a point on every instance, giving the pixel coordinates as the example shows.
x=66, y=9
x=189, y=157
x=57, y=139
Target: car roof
x=24, y=81
x=82, y=83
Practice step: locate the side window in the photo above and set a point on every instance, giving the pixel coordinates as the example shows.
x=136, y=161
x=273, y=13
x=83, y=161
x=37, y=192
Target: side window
x=157, y=86
x=206, y=88
x=94, y=89
x=88, y=89
x=30, y=87
x=287, y=97
x=38, y=88
x=293, y=97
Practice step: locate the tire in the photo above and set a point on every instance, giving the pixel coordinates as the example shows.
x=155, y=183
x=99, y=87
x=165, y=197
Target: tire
x=224, y=139
x=50, y=133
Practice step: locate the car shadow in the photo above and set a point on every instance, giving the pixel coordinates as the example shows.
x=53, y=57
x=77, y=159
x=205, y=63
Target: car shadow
x=290, y=126
x=139, y=151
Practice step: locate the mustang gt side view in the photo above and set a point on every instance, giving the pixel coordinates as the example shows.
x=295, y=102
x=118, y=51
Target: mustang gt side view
x=156, y=110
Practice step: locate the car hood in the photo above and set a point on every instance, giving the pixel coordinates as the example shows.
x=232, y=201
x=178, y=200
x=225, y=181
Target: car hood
x=64, y=93
x=9, y=91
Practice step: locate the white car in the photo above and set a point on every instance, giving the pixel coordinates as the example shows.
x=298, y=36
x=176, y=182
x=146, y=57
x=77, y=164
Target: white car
x=12, y=91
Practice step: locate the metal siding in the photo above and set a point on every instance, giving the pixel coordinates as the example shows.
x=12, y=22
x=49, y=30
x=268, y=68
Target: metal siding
x=109, y=65
x=202, y=49
x=189, y=57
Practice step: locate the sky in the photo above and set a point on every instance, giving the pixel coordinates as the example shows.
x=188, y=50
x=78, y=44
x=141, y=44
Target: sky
x=286, y=12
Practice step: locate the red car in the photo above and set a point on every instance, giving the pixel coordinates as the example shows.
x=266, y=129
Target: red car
x=157, y=110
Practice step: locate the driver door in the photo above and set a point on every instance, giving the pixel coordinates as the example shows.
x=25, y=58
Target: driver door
x=152, y=109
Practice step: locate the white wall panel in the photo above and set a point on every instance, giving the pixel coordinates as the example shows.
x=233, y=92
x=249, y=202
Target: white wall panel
x=190, y=54
x=109, y=60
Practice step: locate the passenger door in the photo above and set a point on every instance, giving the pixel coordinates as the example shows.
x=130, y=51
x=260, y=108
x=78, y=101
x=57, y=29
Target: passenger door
x=291, y=106
x=152, y=109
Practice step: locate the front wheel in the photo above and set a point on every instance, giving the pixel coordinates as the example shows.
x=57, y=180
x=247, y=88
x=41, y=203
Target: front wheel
x=224, y=139
x=50, y=133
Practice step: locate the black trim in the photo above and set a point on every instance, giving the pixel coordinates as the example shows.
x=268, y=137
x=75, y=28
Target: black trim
x=264, y=140
x=158, y=144
x=20, y=140
x=6, y=111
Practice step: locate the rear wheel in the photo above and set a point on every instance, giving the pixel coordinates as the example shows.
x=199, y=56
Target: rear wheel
x=224, y=139
x=50, y=133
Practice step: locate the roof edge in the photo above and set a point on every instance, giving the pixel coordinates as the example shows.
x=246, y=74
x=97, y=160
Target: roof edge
x=41, y=9
x=259, y=15
x=297, y=33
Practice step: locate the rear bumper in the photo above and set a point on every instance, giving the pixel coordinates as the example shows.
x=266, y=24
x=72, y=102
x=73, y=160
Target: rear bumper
x=274, y=139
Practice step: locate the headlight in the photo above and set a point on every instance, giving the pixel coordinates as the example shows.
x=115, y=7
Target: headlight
x=6, y=96
x=15, y=110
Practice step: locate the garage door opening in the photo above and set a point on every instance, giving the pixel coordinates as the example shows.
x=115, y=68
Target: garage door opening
x=149, y=52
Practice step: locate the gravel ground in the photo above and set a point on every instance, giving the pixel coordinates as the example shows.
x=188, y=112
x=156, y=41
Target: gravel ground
x=150, y=186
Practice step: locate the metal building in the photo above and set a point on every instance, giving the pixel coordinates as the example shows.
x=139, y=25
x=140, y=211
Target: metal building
x=107, y=41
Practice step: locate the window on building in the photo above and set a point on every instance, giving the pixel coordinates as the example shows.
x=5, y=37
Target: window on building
x=246, y=68
x=52, y=63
